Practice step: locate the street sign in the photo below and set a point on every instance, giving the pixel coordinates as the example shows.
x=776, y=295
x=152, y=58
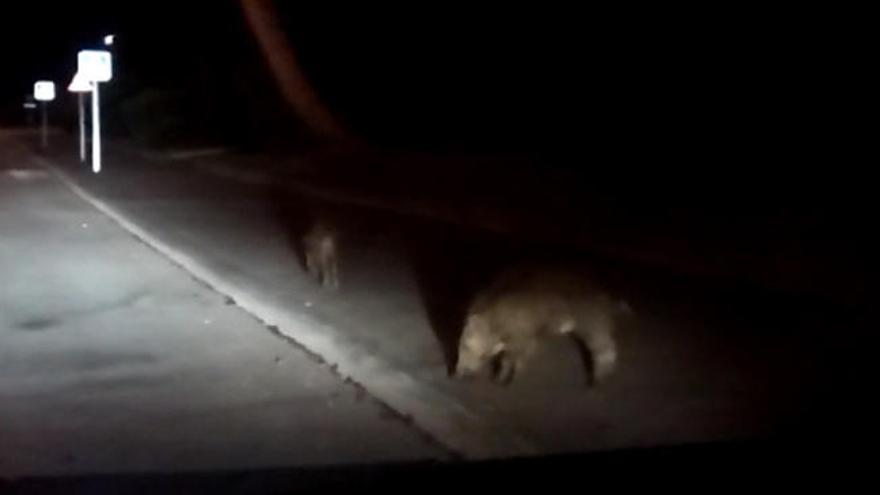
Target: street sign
x=95, y=65
x=44, y=91
x=79, y=84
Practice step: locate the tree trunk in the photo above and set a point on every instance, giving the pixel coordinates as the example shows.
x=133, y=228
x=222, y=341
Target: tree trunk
x=282, y=60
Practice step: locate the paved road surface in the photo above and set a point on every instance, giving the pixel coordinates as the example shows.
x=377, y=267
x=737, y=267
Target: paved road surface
x=700, y=362
x=113, y=359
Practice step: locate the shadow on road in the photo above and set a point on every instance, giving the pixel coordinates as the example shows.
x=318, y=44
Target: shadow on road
x=296, y=214
x=450, y=266
x=449, y=263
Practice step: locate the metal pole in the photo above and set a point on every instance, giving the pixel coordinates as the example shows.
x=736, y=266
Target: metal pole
x=96, y=131
x=82, y=129
x=45, y=136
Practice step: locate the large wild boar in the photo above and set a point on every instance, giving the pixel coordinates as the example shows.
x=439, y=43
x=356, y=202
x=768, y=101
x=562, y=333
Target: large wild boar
x=506, y=322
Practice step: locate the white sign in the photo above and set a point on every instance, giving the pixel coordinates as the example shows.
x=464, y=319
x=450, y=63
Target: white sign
x=95, y=65
x=79, y=84
x=44, y=91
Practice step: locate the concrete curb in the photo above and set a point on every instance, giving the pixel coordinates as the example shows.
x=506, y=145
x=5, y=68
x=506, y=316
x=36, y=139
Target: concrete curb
x=462, y=432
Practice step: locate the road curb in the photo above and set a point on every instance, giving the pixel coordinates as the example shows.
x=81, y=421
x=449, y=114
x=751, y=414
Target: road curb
x=463, y=433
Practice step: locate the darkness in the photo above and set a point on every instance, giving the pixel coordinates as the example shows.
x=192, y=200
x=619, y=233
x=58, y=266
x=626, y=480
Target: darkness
x=677, y=82
x=694, y=122
x=673, y=114
x=634, y=96
x=704, y=155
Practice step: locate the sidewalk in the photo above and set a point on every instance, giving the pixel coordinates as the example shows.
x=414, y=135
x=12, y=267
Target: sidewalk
x=699, y=364
x=114, y=360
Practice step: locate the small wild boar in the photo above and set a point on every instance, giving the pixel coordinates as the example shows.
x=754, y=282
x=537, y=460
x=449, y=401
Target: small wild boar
x=505, y=322
x=321, y=255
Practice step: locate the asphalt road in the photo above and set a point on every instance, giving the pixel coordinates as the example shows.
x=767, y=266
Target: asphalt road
x=115, y=360
x=700, y=362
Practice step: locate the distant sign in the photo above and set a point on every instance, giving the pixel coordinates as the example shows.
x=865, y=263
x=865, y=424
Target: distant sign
x=79, y=84
x=95, y=65
x=44, y=91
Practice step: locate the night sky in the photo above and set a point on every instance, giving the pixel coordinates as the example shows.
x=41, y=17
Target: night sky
x=40, y=40
x=732, y=110
x=454, y=77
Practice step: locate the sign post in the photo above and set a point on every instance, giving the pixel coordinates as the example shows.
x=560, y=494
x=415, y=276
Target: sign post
x=44, y=125
x=96, y=130
x=44, y=92
x=29, y=105
x=82, y=127
x=80, y=85
x=96, y=67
